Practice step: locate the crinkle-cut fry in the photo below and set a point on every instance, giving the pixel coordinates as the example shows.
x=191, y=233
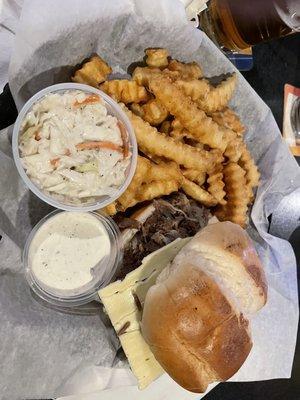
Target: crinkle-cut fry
x=234, y=150
x=195, y=88
x=165, y=127
x=154, y=112
x=219, y=96
x=216, y=184
x=194, y=175
x=111, y=209
x=93, y=72
x=143, y=75
x=176, y=124
x=236, y=195
x=199, y=145
x=177, y=134
x=150, y=141
x=156, y=189
x=197, y=193
x=229, y=119
x=202, y=127
x=252, y=173
x=142, y=169
x=125, y=91
x=137, y=109
x=157, y=57
x=180, y=134
x=150, y=191
x=190, y=70
x=162, y=171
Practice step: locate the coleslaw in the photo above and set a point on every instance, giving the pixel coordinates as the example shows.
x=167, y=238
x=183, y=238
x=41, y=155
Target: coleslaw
x=72, y=149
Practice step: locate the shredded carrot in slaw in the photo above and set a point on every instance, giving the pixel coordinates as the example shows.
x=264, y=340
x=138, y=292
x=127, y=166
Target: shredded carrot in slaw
x=124, y=139
x=54, y=162
x=99, y=145
x=93, y=98
x=37, y=135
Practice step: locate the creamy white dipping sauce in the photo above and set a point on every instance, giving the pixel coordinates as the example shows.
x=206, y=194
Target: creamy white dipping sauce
x=66, y=249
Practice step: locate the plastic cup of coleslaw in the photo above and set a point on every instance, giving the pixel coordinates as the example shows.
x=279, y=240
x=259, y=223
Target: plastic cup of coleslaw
x=88, y=203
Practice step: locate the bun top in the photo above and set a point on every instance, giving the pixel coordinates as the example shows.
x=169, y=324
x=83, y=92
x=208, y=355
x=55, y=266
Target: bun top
x=226, y=253
x=193, y=318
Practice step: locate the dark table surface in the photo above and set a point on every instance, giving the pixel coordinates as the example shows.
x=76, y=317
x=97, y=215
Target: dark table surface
x=275, y=64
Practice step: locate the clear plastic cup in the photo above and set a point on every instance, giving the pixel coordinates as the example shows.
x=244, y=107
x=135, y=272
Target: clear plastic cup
x=113, y=109
x=103, y=272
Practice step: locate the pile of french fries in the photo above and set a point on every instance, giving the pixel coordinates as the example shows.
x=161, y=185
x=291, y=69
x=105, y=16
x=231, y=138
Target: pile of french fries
x=188, y=137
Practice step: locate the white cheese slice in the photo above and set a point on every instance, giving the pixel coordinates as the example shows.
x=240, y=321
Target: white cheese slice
x=121, y=304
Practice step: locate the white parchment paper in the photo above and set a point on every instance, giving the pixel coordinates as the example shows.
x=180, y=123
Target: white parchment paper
x=42, y=350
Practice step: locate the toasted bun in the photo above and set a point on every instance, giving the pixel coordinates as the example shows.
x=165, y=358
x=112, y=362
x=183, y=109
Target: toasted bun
x=193, y=318
x=226, y=253
x=193, y=331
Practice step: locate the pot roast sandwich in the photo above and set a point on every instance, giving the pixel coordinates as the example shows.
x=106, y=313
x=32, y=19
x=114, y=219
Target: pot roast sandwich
x=186, y=309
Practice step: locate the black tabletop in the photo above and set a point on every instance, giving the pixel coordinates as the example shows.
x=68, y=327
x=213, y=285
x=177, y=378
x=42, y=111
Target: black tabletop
x=275, y=64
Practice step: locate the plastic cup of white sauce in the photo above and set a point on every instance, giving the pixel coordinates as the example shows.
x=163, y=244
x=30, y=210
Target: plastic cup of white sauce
x=69, y=256
x=113, y=109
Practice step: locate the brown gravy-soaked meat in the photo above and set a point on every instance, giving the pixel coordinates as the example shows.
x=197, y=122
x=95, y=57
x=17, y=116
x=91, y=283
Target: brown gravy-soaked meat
x=175, y=216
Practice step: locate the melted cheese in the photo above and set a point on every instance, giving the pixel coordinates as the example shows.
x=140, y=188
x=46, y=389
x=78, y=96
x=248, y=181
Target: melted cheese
x=119, y=301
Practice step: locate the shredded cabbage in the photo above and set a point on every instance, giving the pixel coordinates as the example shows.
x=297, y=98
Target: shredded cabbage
x=69, y=157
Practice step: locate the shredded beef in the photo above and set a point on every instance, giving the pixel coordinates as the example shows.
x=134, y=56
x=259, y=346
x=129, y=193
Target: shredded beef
x=175, y=216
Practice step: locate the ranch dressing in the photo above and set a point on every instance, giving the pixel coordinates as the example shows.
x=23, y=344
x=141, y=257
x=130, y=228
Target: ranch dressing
x=67, y=250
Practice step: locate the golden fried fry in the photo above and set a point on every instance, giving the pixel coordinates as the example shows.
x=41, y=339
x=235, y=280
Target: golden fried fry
x=216, y=184
x=143, y=75
x=218, y=97
x=125, y=91
x=176, y=124
x=197, y=193
x=184, y=136
x=203, y=128
x=93, y=72
x=154, y=112
x=236, y=194
x=157, y=57
x=195, y=88
x=194, y=175
x=150, y=141
x=150, y=181
x=178, y=134
x=150, y=191
x=165, y=174
x=229, y=119
x=142, y=169
x=155, y=189
x=111, y=209
x=163, y=171
x=165, y=127
x=187, y=70
x=234, y=150
x=252, y=173
x=137, y=109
